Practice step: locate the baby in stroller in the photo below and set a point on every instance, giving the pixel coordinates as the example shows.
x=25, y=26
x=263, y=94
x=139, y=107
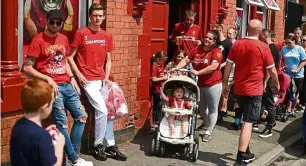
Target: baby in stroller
x=177, y=101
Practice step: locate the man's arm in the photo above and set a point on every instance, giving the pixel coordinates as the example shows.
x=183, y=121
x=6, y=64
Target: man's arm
x=226, y=74
x=28, y=69
x=273, y=74
x=108, y=65
x=74, y=67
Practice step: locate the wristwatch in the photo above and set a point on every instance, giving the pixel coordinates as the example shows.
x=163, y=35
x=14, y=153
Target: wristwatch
x=71, y=77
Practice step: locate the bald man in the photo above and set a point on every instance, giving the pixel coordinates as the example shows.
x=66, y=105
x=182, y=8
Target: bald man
x=252, y=58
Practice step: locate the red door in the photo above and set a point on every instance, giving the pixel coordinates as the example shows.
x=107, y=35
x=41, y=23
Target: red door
x=159, y=30
x=154, y=39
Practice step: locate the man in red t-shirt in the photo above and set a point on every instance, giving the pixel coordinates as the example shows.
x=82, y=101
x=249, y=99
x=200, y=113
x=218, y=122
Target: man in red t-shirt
x=252, y=58
x=46, y=60
x=91, y=47
x=187, y=35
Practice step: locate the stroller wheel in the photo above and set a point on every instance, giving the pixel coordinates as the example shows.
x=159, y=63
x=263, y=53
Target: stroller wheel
x=153, y=151
x=285, y=118
x=162, y=149
x=197, y=137
x=195, y=153
x=185, y=155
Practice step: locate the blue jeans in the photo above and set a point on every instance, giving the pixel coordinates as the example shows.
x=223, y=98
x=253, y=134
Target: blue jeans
x=68, y=98
x=156, y=107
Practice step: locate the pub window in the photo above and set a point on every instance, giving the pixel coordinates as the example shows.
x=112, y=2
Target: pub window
x=242, y=12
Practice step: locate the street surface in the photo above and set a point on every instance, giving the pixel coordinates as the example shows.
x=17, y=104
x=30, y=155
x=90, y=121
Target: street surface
x=220, y=151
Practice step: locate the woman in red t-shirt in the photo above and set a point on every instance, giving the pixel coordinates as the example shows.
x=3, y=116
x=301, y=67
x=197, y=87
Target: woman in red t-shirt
x=206, y=61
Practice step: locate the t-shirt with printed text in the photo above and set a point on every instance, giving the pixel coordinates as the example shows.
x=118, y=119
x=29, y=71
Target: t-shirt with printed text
x=92, y=50
x=251, y=58
x=156, y=71
x=50, y=54
x=188, y=34
x=201, y=60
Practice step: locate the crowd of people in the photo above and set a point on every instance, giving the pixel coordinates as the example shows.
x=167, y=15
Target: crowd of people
x=234, y=75
x=56, y=68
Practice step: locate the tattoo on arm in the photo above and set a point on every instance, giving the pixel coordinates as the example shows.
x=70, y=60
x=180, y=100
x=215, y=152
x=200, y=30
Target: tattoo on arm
x=29, y=61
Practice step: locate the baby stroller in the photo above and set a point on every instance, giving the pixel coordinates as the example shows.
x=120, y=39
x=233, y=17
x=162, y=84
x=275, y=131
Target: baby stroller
x=162, y=136
x=281, y=97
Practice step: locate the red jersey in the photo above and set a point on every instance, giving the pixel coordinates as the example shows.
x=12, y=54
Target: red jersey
x=92, y=49
x=156, y=71
x=188, y=34
x=201, y=60
x=179, y=104
x=50, y=54
x=251, y=58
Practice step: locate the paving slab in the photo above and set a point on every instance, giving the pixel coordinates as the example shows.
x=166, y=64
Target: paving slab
x=220, y=151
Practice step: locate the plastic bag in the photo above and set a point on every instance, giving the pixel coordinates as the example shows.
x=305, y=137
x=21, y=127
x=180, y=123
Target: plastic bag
x=114, y=100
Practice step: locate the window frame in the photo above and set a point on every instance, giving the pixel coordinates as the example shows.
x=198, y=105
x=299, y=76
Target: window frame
x=82, y=15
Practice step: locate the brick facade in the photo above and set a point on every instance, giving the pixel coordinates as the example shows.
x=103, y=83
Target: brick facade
x=126, y=69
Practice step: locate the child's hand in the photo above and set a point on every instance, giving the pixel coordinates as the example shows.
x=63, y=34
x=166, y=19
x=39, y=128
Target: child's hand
x=52, y=127
x=189, y=105
x=60, y=141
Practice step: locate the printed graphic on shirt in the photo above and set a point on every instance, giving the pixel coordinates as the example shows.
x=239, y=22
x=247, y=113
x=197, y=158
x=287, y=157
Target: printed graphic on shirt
x=102, y=42
x=56, y=57
x=199, y=60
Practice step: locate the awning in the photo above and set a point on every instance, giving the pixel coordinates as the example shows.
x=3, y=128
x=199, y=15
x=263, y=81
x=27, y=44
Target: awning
x=271, y=4
x=255, y=3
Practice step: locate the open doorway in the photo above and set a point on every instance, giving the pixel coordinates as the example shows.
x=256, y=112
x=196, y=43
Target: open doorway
x=176, y=15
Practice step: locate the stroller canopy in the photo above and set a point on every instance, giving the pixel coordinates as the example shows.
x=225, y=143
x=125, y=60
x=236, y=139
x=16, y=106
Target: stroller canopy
x=184, y=81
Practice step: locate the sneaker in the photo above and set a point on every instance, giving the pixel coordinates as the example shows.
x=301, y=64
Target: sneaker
x=68, y=162
x=249, y=157
x=114, y=152
x=206, y=138
x=82, y=162
x=292, y=114
x=234, y=126
x=265, y=133
x=220, y=118
x=237, y=164
x=255, y=127
x=201, y=127
x=99, y=152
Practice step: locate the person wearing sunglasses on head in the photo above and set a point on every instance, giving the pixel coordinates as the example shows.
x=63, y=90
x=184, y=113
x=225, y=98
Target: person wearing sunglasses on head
x=294, y=58
x=206, y=61
x=46, y=60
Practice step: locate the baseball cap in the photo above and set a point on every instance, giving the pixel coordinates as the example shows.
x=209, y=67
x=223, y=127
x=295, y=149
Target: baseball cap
x=55, y=14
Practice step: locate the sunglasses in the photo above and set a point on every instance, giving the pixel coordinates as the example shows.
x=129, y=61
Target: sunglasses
x=303, y=40
x=58, y=23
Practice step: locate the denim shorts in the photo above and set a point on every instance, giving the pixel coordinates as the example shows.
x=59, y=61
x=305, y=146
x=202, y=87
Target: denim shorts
x=250, y=107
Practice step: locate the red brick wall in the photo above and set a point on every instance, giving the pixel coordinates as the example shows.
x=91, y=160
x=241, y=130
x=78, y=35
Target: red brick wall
x=230, y=20
x=278, y=24
x=279, y=27
x=125, y=62
x=7, y=122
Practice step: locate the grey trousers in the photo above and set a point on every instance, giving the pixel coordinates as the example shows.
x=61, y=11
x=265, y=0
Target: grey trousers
x=209, y=102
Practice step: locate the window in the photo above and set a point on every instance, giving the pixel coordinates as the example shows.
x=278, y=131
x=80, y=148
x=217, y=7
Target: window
x=35, y=12
x=242, y=12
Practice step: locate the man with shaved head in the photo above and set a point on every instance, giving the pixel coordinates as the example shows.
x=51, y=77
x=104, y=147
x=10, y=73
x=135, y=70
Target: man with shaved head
x=252, y=58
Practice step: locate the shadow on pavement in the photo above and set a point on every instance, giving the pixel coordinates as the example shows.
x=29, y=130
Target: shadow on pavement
x=291, y=129
x=215, y=158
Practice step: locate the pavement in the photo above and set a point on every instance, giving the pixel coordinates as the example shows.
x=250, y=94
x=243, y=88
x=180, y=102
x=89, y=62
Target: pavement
x=220, y=151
